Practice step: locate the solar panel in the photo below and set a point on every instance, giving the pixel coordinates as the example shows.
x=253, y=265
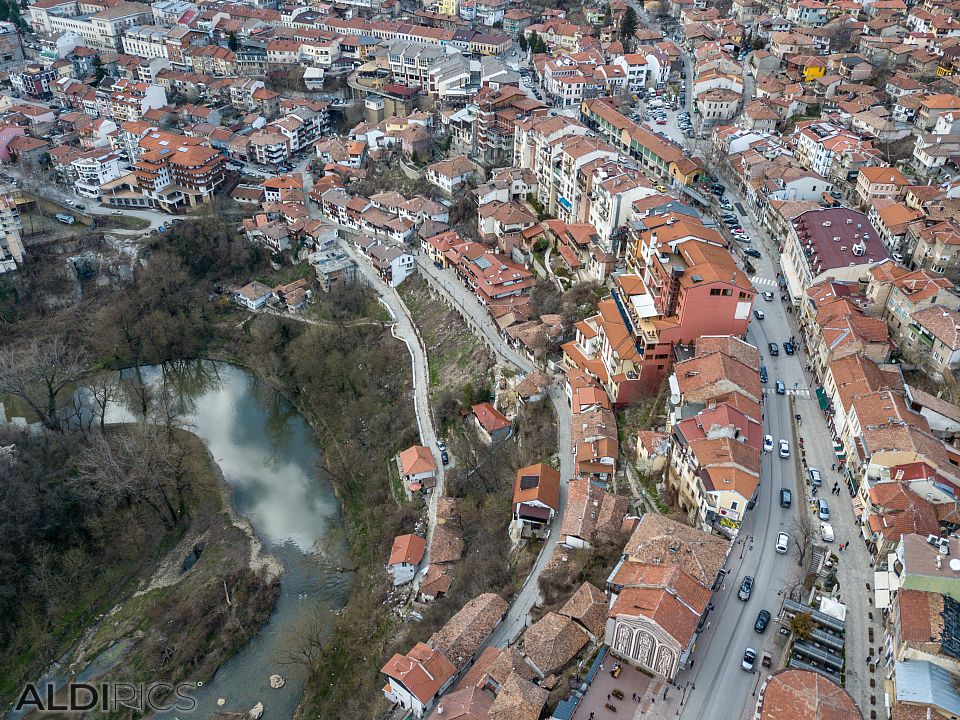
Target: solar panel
x=529, y=481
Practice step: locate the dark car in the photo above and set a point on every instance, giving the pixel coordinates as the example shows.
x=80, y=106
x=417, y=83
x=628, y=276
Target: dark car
x=789, y=347
x=746, y=588
x=763, y=373
x=444, y=457
x=752, y=252
x=763, y=619
x=774, y=350
x=786, y=497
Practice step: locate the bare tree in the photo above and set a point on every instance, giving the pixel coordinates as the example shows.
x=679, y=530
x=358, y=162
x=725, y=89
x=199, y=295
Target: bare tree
x=142, y=463
x=104, y=389
x=803, y=533
x=38, y=372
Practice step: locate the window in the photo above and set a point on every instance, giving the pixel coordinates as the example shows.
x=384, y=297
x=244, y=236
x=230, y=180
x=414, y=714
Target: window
x=734, y=505
x=715, y=291
x=727, y=292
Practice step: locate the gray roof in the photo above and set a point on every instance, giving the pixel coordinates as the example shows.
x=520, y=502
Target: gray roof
x=921, y=682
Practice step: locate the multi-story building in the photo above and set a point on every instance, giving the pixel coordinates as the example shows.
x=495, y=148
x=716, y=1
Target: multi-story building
x=171, y=171
x=835, y=242
x=34, y=80
x=410, y=62
x=102, y=29
x=11, y=246
x=94, y=169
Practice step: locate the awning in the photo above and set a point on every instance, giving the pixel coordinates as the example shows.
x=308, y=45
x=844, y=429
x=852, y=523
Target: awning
x=839, y=451
x=822, y=399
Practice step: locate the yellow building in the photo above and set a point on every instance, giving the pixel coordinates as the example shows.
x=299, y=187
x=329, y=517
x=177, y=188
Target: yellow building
x=448, y=7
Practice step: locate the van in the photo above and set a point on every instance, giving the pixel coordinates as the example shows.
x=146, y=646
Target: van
x=823, y=510
x=66, y=219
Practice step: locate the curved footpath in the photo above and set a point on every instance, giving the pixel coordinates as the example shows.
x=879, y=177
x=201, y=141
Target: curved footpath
x=480, y=323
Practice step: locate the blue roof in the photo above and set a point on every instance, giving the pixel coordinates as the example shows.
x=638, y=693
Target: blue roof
x=921, y=682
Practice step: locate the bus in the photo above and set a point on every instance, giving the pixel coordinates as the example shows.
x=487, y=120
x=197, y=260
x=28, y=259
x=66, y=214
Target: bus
x=66, y=219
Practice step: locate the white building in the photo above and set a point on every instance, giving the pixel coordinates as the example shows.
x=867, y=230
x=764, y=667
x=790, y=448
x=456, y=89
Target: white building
x=96, y=168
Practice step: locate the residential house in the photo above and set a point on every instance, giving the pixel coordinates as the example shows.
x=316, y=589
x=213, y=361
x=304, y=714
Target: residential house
x=493, y=425
x=536, y=498
x=405, y=557
x=417, y=679
x=418, y=467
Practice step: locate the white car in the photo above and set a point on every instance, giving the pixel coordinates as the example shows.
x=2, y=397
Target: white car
x=117, y=212
x=826, y=532
x=759, y=314
x=768, y=443
x=768, y=296
x=783, y=542
x=784, y=449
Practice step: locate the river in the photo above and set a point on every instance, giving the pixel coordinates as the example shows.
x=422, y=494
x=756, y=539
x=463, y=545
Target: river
x=270, y=459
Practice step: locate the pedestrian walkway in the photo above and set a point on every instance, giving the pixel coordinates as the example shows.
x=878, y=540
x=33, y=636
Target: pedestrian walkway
x=757, y=280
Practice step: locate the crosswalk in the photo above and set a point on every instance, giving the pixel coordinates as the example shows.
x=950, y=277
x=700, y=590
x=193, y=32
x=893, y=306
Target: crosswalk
x=799, y=392
x=757, y=280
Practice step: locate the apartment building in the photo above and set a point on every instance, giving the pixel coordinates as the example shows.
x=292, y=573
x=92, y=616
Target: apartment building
x=11, y=245
x=835, y=242
x=171, y=171
x=34, y=80
x=94, y=169
x=410, y=62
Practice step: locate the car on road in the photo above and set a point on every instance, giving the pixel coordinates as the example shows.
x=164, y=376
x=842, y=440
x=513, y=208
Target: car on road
x=79, y=206
x=781, y=388
x=749, y=659
x=752, y=252
x=763, y=373
x=783, y=543
x=117, y=212
x=826, y=532
x=789, y=347
x=786, y=497
x=746, y=588
x=444, y=457
x=768, y=296
x=763, y=619
x=758, y=314
x=823, y=510
x=816, y=479
x=768, y=443
x=784, y=448
x=441, y=445
x=774, y=350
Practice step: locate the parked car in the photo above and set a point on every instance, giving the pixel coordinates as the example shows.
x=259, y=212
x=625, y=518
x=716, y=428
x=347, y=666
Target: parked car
x=758, y=314
x=783, y=543
x=763, y=619
x=752, y=252
x=763, y=373
x=768, y=443
x=774, y=350
x=117, y=212
x=789, y=347
x=749, y=659
x=826, y=532
x=816, y=479
x=746, y=588
x=784, y=448
x=786, y=497
x=444, y=457
x=823, y=510
x=768, y=296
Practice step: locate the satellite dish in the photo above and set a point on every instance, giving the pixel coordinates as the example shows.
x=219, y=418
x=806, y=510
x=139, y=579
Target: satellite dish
x=955, y=565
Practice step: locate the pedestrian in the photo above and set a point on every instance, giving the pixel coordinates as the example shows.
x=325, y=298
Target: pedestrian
x=608, y=697
x=833, y=466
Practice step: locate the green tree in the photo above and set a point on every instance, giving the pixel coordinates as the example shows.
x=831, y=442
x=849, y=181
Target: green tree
x=98, y=70
x=232, y=41
x=801, y=625
x=628, y=28
x=522, y=41
x=4, y=11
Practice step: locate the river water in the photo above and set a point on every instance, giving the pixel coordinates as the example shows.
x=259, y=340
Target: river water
x=271, y=461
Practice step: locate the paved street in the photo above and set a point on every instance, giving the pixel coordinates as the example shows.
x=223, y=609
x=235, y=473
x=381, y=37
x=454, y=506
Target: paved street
x=717, y=672
x=478, y=319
